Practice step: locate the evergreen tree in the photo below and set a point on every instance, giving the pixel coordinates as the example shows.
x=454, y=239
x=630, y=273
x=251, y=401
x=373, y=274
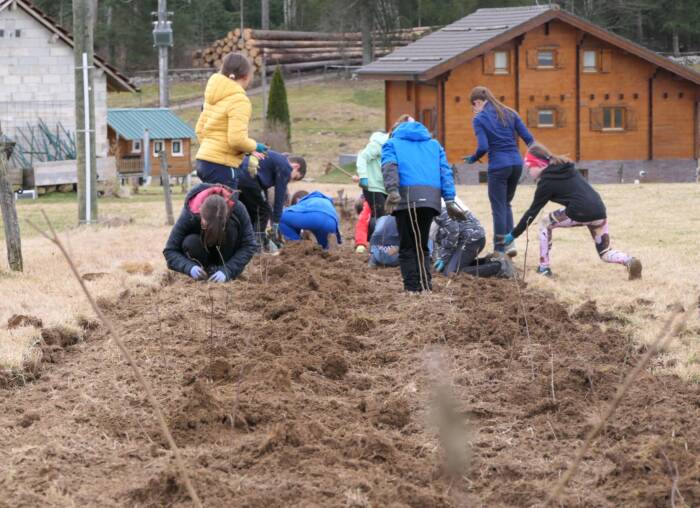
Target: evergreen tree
x=277, y=107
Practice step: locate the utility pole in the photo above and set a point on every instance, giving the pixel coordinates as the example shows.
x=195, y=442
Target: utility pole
x=163, y=39
x=265, y=24
x=83, y=15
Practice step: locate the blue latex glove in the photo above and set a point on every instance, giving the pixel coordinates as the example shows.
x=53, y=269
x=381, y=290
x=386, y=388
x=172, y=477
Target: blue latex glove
x=439, y=265
x=364, y=183
x=197, y=273
x=260, y=147
x=470, y=160
x=508, y=239
x=218, y=277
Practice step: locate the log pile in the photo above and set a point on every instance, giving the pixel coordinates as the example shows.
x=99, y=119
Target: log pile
x=301, y=51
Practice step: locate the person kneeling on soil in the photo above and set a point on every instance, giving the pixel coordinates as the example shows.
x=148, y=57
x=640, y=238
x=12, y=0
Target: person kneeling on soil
x=213, y=238
x=312, y=212
x=458, y=243
x=274, y=170
x=384, y=243
x=416, y=176
x=559, y=181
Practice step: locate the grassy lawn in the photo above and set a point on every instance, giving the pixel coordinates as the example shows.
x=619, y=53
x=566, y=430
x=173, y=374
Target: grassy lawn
x=180, y=91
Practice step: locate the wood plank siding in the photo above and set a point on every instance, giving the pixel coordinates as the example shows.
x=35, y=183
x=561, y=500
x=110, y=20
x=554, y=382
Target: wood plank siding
x=596, y=101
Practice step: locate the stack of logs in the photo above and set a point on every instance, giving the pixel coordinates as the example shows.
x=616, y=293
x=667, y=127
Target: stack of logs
x=301, y=51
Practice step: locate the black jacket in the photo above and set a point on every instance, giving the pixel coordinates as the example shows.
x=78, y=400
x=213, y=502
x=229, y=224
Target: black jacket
x=239, y=232
x=563, y=184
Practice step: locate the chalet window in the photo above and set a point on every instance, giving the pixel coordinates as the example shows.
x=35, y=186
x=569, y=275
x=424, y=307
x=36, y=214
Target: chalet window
x=545, y=59
x=590, y=61
x=546, y=118
x=2, y=32
x=157, y=148
x=136, y=146
x=18, y=33
x=613, y=119
x=177, y=148
x=500, y=62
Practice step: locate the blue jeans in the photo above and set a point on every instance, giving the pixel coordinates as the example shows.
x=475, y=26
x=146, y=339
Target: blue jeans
x=210, y=172
x=320, y=224
x=502, y=183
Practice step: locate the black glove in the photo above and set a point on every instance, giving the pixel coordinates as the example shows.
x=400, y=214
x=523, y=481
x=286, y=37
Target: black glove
x=392, y=200
x=455, y=211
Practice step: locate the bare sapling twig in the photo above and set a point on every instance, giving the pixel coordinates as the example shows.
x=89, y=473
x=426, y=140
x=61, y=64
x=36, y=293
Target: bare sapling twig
x=551, y=378
x=53, y=237
x=527, y=246
x=672, y=327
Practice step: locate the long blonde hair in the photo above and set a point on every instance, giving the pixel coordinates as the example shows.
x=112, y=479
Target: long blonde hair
x=542, y=152
x=481, y=93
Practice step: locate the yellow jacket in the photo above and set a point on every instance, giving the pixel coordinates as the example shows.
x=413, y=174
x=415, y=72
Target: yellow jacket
x=222, y=128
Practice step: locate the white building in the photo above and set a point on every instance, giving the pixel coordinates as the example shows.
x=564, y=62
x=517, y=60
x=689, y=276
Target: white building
x=37, y=74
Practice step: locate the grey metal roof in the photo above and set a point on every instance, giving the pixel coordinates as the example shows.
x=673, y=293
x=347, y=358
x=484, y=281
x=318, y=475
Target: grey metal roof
x=161, y=123
x=453, y=40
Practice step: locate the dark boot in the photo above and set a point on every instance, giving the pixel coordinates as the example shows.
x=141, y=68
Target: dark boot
x=409, y=271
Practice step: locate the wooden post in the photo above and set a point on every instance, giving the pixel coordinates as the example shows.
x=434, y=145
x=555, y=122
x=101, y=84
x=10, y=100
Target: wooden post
x=165, y=179
x=9, y=213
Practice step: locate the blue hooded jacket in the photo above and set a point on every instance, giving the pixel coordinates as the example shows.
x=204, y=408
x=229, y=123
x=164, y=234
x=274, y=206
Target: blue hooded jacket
x=498, y=140
x=415, y=164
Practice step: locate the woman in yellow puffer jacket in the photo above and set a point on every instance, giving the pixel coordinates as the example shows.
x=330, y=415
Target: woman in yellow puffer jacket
x=222, y=128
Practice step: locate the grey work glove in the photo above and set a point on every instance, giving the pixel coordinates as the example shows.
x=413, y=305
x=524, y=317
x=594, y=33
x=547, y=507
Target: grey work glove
x=455, y=211
x=392, y=201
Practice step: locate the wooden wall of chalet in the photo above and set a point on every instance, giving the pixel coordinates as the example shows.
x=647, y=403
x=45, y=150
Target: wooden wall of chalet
x=621, y=80
x=177, y=165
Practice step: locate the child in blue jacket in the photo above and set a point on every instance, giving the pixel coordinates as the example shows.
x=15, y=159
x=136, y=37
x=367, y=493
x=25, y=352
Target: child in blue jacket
x=416, y=176
x=497, y=128
x=310, y=212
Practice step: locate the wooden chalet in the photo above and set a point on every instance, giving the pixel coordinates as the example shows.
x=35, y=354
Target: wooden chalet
x=126, y=129
x=618, y=108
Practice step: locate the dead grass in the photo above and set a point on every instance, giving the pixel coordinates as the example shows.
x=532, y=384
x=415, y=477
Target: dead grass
x=654, y=222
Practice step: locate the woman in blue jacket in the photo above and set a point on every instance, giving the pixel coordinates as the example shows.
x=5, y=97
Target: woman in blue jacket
x=310, y=212
x=497, y=128
x=416, y=176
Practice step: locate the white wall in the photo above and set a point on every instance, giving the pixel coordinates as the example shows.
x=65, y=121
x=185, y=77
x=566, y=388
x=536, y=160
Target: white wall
x=37, y=79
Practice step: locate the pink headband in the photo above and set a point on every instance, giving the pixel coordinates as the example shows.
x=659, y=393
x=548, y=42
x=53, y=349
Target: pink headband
x=533, y=161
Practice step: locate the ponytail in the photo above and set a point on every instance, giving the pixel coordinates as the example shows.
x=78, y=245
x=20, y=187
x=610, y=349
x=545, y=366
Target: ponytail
x=214, y=212
x=481, y=93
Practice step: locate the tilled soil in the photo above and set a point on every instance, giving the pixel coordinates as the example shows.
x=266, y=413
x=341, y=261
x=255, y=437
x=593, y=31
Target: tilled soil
x=317, y=382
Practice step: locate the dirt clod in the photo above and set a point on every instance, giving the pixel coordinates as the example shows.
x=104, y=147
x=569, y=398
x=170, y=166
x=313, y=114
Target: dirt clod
x=62, y=336
x=335, y=367
x=18, y=320
x=278, y=311
x=137, y=267
x=28, y=419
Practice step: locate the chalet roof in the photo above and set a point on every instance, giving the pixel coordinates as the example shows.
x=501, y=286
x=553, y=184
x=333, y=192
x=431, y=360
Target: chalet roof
x=487, y=29
x=116, y=81
x=161, y=124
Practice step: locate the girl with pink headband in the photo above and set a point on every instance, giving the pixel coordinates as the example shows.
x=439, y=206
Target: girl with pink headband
x=559, y=181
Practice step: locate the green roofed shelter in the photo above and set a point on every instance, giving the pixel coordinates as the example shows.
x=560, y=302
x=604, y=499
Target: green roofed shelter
x=126, y=129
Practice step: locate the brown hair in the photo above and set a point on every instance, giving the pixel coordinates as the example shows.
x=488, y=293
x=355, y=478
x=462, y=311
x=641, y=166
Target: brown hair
x=402, y=119
x=236, y=64
x=542, y=152
x=297, y=196
x=481, y=93
x=296, y=159
x=214, y=212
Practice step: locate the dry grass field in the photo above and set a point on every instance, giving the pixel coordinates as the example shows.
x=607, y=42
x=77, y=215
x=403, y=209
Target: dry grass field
x=650, y=221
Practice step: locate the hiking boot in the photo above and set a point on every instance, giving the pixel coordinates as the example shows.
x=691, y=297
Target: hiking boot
x=511, y=249
x=634, y=268
x=544, y=270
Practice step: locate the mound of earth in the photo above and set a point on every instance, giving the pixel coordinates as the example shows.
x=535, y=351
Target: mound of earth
x=311, y=382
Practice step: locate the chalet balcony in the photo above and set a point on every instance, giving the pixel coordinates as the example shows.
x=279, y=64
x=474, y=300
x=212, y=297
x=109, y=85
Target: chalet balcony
x=130, y=165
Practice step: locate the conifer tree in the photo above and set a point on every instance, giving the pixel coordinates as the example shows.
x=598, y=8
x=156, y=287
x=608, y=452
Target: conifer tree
x=277, y=106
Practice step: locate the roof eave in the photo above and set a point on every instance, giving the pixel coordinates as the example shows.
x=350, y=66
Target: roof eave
x=488, y=45
x=387, y=76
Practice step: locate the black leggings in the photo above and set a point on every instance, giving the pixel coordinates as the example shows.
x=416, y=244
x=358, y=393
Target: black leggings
x=464, y=257
x=414, y=258
x=255, y=201
x=375, y=200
